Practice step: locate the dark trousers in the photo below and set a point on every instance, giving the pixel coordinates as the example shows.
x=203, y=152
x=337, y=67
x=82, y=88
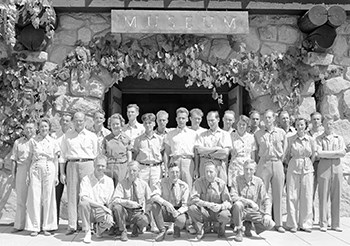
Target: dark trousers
x=134, y=216
x=59, y=191
x=160, y=214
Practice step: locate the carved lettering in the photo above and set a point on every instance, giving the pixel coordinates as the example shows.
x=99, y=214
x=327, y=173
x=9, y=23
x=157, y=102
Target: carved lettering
x=232, y=22
x=171, y=21
x=149, y=21
x=132, y=22
x=210, y=23
x=189, y=22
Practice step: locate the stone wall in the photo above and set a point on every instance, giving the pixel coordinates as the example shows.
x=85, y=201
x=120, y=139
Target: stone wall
x=267, y=34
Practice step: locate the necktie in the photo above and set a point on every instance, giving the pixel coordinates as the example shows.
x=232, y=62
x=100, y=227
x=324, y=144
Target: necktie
x=134, y=193
x=173, y=192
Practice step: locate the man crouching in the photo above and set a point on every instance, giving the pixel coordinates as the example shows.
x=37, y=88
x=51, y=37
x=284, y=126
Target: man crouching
x=251, y=204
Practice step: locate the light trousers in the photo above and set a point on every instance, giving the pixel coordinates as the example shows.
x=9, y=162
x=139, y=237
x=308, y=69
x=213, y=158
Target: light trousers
x=299, y=200
x=41, y=200
x=150, y=174
x=75, y=173
x=22, y=193
x=271, y=172
x=117, y=171
x=186, y=166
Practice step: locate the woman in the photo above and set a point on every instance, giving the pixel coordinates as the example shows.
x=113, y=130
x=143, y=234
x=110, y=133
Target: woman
x=42, y=178
x=243, y=144
x=300, y=153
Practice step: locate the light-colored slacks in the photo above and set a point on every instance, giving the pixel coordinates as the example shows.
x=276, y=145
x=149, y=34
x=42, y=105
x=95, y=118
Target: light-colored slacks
x=75, y=173
x=186, y=166
x=22, y=193
x=117, y=171
x=150, y=174
x=41, y=200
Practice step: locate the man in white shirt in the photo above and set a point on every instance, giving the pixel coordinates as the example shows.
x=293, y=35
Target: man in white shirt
x=229, y=120
x=98, y=128
x=196, y=116
x=96, y=192
x=133, y=129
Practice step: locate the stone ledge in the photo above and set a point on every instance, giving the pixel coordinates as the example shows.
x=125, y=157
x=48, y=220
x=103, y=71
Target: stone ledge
x=314, y=58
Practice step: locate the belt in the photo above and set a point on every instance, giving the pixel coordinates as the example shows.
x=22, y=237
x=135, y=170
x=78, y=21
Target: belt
x=152, y=165
x=81, y=160
x=112, y=160
x=271, y=159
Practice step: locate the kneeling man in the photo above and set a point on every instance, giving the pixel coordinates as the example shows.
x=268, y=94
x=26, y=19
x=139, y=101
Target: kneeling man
x=251, y=204
x=129, y=202
x=96, y=192
x=170, y=202
x=210, y=201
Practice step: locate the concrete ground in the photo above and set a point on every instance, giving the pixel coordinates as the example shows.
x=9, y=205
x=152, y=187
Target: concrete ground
x=147, y=239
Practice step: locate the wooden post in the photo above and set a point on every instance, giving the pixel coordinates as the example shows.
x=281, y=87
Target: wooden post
x=320, y=39
x=315, y=17
x=336, y=16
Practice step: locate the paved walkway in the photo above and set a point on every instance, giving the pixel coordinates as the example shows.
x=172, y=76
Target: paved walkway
x=267, y=238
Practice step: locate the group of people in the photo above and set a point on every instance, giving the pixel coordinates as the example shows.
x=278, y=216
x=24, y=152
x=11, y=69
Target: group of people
x=168, y=179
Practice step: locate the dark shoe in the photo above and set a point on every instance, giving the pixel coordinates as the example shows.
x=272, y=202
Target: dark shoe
x=160, y=237
x=305, y=230
x=15, y=230
x=124, y=236
x=200, y=234
x=70, y=232
x=337, y=229
x=207, y=227
x=221, y=231
x=239, y=236
x=248, y=228
x=135, y=231
x=177, y=232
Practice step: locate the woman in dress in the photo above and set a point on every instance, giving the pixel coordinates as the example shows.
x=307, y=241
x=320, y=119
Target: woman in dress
x=300, y=155
x=243, y=148
x=42, y=179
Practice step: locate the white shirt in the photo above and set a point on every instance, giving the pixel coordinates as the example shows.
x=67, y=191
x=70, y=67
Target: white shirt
x=100, y=191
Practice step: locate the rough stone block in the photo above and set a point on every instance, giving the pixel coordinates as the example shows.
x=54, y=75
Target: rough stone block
x=206, y=48
x=252, y=40
x=306, y=107
x=3, y=50
x=50, y=66
x=347, y=73
x=268, y=33
x=263, y=103
x=220, y=48
x=342, y=128
x=84, y=34
x=340, y=46
x=308, y=88
x=314, y=58
x=33, y=56
x=263, y=20
x=330, y=105
x=65, y=37
x=345, y=28
x=99, y=27
x=69, y=22
x=59, y=53
x=72, y=104
x=105, y=77
x=288, y=34
x=335, y=85
x=342, y=61
x=346, y=104
x=268, y=48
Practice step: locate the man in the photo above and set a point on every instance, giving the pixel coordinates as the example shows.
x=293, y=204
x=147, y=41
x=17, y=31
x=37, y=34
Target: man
x=79, y=149
x=285, y=124
x=96, y=191
x=210, y=201
x=271, y=147
x=179, y=146
x=147, y=151
x=65, y=123
x=98, y=128
x=130, y=199
x=251, y=203
x=196, y=116
x=133, y=129
x=213, y=146
x=170, y=202
x=229, y=120
x=254, y=121
x=330, y=148
x=20, y=157
x=162, y=121
x=117, y=147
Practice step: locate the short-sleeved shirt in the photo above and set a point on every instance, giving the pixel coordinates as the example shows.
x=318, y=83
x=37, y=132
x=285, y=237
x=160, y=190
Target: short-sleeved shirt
x=148, y=149
x=79, y=145
x=199, y=131
x=100, y=191
x=163, y=134
x=181, y=141
x=211, y=139
x=44, y=148
x=290, y=132
x=124, y=191
x=21, y=152
x=270, y=143
x=204, y=191
x=242, y=146
x=253, y=190
x=133, y=131
x=300, y=150
x=101, y=134
x=116, y=147
x=330, y=142
x=176, y=193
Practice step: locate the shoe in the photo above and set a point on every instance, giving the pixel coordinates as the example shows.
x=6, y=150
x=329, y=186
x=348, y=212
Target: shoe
x=293, y=230
x=337, y=229
x=323, y=229
x=200, y=234
x=280, y=229
x=46, y=233
x=34, y=234
x=221, y=231
x=15, y=230
x=135, y=231
x=308, y=230
x=124, y=236
x=70, y=232
x=239, y=236
x=207, y=227
x=248, y=227
x=160, y=237
x=87, y=238
x=177, y=232
x=191, y=230
x=170, y=230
